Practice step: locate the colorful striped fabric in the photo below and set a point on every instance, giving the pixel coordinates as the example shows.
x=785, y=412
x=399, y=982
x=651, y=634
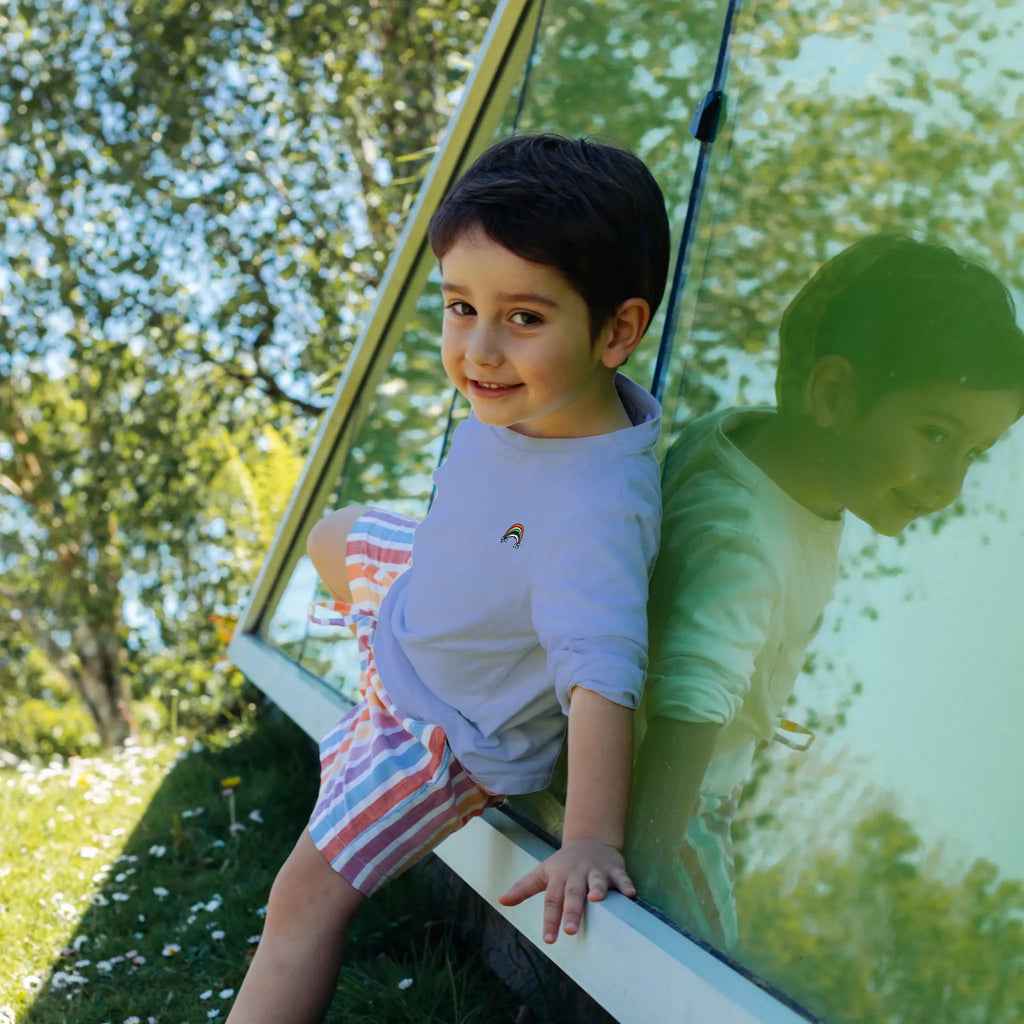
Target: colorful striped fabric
x=708, y=876
x=390, y=787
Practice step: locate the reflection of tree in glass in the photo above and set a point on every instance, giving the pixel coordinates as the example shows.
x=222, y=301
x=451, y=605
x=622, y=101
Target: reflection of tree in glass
x=761, y=825
x=875, y=930
x=890, y=116
x=397, y=446
x=630, y=69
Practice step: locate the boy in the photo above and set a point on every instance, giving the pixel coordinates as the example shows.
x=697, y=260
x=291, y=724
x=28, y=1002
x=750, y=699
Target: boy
x=525, y=601
x=899, y=363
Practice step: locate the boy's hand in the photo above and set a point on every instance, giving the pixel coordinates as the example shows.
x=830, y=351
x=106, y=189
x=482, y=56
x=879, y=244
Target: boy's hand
x=581, y=870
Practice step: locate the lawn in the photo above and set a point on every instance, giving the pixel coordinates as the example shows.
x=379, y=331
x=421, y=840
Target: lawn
x=133, y=888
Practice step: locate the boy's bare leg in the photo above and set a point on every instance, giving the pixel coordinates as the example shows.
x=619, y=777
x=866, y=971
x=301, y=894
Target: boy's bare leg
x=326, y=546
x=292, y=978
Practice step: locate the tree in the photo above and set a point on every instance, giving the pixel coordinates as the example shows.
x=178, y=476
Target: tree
x=199, y=202
x=872, y=930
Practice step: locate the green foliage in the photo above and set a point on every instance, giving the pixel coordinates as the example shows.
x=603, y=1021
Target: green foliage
x=872, y=932
x=912, y=112
x=199, y=201
x=43, y=728
x=127, y=892
x=255, y=491
x=41, y=717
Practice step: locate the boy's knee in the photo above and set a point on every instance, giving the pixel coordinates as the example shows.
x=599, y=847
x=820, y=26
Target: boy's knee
x=307, y=885
x=327, y=545
x=330, y=534
x=294, y=885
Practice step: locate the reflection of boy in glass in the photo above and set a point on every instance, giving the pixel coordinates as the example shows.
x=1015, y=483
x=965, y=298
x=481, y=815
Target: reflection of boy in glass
x=899, y=363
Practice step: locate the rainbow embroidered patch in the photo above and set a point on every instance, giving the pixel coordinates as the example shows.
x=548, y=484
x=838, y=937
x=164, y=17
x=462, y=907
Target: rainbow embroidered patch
x=514, y=533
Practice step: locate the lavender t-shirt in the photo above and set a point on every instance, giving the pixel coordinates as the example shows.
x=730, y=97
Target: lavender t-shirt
x=529, y=578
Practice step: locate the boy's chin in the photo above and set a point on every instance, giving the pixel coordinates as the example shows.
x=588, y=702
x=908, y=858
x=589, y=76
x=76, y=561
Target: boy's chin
x=889, y=523
x=890, y=531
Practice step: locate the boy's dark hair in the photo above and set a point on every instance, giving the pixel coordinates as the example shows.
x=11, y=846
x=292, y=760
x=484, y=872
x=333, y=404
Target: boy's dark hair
x=903, y=314
x=592, y=211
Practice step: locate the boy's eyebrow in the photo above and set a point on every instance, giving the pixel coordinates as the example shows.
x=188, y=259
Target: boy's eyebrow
x=529, y=298
x=956, y=423
x=949, y=417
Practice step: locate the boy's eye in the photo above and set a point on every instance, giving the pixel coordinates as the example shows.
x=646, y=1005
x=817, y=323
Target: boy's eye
x=521, y=318
x=935, y=434
x=460, y=308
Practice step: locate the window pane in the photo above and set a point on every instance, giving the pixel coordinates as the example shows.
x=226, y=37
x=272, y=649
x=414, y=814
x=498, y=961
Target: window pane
x=878, y=874
x=388, y=466
x=891, y=848
x=654, y=67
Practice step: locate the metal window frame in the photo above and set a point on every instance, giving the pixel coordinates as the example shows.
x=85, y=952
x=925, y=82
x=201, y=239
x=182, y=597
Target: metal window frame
x=680, y=980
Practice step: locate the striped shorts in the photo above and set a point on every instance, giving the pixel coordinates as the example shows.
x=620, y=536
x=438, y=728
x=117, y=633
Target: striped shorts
x=708, y=877
x=390, y=787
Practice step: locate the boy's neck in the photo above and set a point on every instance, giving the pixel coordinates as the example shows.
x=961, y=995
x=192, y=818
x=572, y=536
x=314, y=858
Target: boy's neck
x=788, y=451
x=618, y=417
x=602, y=413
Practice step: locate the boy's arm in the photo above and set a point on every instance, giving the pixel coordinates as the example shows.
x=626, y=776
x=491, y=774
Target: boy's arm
x=600, y=741
x=670, y=767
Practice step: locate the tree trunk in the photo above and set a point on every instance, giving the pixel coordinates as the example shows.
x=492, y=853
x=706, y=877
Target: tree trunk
x=98, y=681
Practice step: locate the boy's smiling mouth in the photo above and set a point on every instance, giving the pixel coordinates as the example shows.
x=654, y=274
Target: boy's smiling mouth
x=915, y=506
x=487, y=386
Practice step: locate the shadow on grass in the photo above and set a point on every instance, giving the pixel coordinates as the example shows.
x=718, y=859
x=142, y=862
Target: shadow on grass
x=176, y=921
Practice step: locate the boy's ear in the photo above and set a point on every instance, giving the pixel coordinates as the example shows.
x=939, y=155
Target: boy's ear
x=831, y=392
x=623, y=332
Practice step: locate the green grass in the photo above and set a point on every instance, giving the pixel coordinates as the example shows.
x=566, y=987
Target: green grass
x=125, y=894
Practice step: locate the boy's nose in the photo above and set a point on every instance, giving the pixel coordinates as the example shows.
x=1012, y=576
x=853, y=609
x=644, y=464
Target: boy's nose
x=945, y=482
x=484, y=346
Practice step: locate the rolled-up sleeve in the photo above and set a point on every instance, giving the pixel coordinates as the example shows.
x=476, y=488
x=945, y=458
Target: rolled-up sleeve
x=712, y=600
x=590, y=607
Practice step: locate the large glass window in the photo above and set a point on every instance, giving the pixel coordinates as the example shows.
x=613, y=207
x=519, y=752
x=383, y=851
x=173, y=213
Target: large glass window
x=877, y=874
x=654, y=68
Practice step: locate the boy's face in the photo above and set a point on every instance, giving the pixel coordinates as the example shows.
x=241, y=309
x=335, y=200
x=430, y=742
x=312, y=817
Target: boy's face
x=907, y=455
x=516, y=342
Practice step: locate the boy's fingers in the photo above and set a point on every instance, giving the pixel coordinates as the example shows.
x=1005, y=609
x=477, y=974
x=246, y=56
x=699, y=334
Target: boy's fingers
x=566, y=893
x=572, y=907
x=623, y=882
x=598, y=886
x=552, y=913
x=527, y=886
